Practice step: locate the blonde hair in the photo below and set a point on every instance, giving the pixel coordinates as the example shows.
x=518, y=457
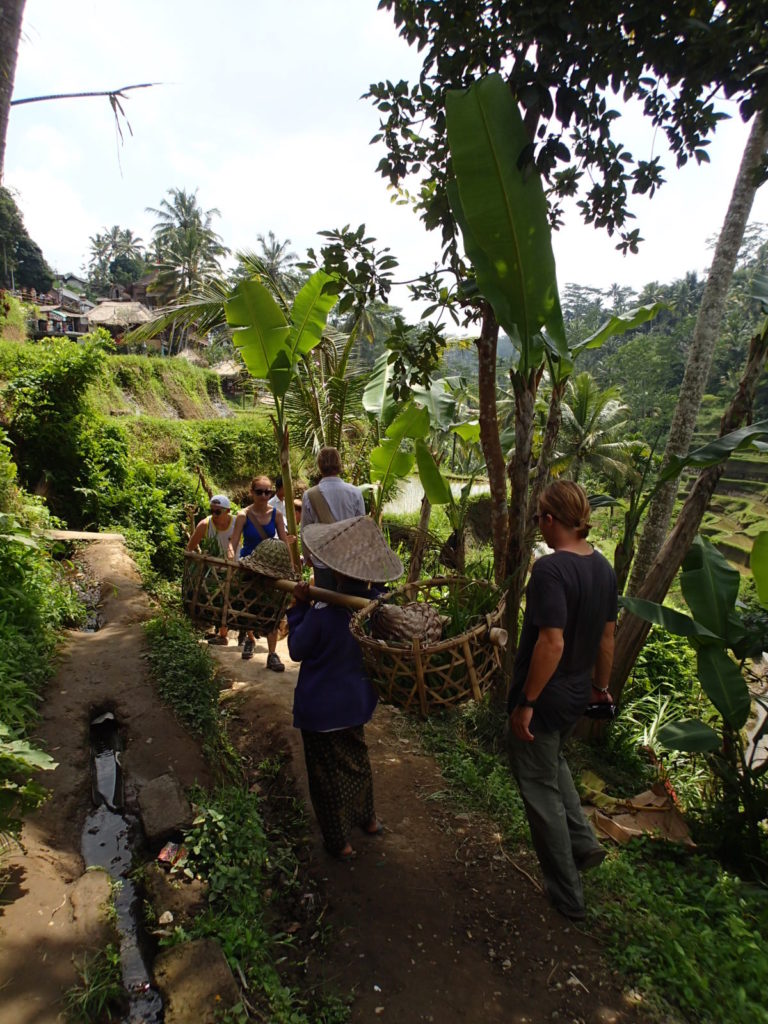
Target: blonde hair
x=568, y=503
x=260, y=477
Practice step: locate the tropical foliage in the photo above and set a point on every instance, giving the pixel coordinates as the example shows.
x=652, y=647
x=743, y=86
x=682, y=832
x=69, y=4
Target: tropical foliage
x=725, y=642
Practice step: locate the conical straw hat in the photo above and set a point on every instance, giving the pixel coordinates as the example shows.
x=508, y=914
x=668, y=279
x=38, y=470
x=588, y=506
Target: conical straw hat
x=354, y=548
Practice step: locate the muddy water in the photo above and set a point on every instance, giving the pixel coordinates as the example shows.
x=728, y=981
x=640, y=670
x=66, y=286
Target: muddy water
x=109, y=838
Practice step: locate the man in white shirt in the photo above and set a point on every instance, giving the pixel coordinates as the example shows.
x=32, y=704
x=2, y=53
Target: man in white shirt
x=330, y=501
x=278, y=498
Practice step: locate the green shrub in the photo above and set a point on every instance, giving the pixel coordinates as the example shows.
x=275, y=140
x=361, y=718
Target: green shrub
x=47, y=403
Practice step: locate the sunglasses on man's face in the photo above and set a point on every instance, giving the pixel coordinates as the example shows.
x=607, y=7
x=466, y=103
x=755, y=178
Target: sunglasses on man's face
x=217, y=511
x=261, y=493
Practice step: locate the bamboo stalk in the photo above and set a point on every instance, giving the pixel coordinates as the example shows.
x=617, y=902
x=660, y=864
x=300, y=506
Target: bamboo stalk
x=321, y=594
x=469, y=662
x=420, y=686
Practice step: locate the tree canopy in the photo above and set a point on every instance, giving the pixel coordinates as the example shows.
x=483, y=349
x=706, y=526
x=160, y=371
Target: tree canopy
x=21, y=260
x=561, y=60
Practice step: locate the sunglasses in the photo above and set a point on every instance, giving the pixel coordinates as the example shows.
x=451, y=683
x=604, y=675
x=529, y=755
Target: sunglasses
x=217, y=511
x=262, y=493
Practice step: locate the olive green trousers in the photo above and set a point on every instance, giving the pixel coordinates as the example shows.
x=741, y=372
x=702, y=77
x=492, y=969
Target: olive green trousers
x=562, y=836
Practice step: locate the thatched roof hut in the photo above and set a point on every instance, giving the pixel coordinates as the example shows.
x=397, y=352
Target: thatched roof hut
x=120, y=316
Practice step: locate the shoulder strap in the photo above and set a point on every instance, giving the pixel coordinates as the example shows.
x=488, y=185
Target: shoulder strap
x=254, y=521
x=320, y=505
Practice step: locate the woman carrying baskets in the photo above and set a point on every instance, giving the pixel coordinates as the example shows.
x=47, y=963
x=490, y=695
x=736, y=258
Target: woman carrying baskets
x=334, y=697
x=255, y=523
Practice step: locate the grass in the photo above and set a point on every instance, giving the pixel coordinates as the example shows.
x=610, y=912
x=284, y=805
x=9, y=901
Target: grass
x=185, y=676
x=98, y=994
x=251, y=867
x=253, y=875
x=685, y=933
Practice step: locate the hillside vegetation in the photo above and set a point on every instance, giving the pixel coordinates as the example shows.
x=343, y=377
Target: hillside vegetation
x=125, y=442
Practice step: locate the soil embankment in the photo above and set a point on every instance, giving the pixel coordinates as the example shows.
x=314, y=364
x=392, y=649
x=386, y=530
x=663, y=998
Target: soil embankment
x=432, y=921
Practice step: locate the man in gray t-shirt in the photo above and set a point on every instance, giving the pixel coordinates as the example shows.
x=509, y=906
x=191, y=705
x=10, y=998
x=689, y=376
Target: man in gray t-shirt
x=563, y=661
x=337, y=500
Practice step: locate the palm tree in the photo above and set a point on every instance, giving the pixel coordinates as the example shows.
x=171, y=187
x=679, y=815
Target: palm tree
x=592, y=421
x=280, y=264
x=326, y=397
x=187, y=252
x=185, y=246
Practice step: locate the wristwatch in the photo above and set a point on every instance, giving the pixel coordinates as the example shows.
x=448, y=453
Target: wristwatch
x=525, y=703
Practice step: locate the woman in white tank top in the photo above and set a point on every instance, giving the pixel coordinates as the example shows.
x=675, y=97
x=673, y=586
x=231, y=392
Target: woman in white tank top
x=216, y=531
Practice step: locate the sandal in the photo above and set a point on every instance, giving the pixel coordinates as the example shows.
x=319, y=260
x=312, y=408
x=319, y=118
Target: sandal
x=218, y=641
x=377, y=830
x=345, y=854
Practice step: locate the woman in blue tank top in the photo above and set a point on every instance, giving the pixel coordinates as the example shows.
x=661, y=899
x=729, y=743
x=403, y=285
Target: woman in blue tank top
x=254, y=524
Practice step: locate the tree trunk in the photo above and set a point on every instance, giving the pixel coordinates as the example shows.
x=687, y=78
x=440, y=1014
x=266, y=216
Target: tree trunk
x=525, y=387
x=11, y=15
x=705, y=336
x=633, y=631
x=489, y=438
x=281, y=436
x=420, y=543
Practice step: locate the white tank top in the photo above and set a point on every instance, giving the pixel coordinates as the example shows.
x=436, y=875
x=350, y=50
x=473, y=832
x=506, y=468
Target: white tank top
x=222, y=536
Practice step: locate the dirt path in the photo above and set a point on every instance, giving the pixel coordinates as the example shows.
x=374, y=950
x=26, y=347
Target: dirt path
x=432, y=922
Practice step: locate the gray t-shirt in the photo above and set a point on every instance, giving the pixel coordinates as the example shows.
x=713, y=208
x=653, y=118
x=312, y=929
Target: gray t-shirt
x=578, y=594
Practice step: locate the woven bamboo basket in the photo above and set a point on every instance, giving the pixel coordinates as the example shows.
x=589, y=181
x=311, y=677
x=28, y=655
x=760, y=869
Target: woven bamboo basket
x=422, y=677
x=217, y=591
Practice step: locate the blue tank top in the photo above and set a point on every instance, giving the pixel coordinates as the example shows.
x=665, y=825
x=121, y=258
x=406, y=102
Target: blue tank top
x=252, y=538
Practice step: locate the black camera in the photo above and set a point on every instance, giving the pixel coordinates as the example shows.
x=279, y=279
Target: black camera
x=601, y=709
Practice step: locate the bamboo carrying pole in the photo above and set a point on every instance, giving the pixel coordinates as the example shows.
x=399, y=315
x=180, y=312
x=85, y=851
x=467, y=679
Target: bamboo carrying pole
x=320, y=594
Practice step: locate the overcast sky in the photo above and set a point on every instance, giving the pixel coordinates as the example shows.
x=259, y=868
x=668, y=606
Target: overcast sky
x=260, y=110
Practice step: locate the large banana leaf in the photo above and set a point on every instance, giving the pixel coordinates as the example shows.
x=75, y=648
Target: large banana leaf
x=486, y=277
x=261, y=330
x=669, y=619
x=504, y=212
x=309, y=315
x=724, y=684
x=710, y=586
x=435, y=485
x=716, y=451
x=388, y=461
x=377, y=400
x=412, y=421
x=439, y=402
x=689, y=735
x=760, y=290
x=468, y=431
x=758, y=561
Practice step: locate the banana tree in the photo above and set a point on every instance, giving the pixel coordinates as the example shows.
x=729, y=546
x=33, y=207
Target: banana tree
x=272, y=345
x=430, y=411
x=502, y=214
x=724, y=642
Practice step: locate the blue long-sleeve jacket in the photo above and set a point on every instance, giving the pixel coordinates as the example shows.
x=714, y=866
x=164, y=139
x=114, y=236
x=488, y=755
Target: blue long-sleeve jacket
x=333, y=691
